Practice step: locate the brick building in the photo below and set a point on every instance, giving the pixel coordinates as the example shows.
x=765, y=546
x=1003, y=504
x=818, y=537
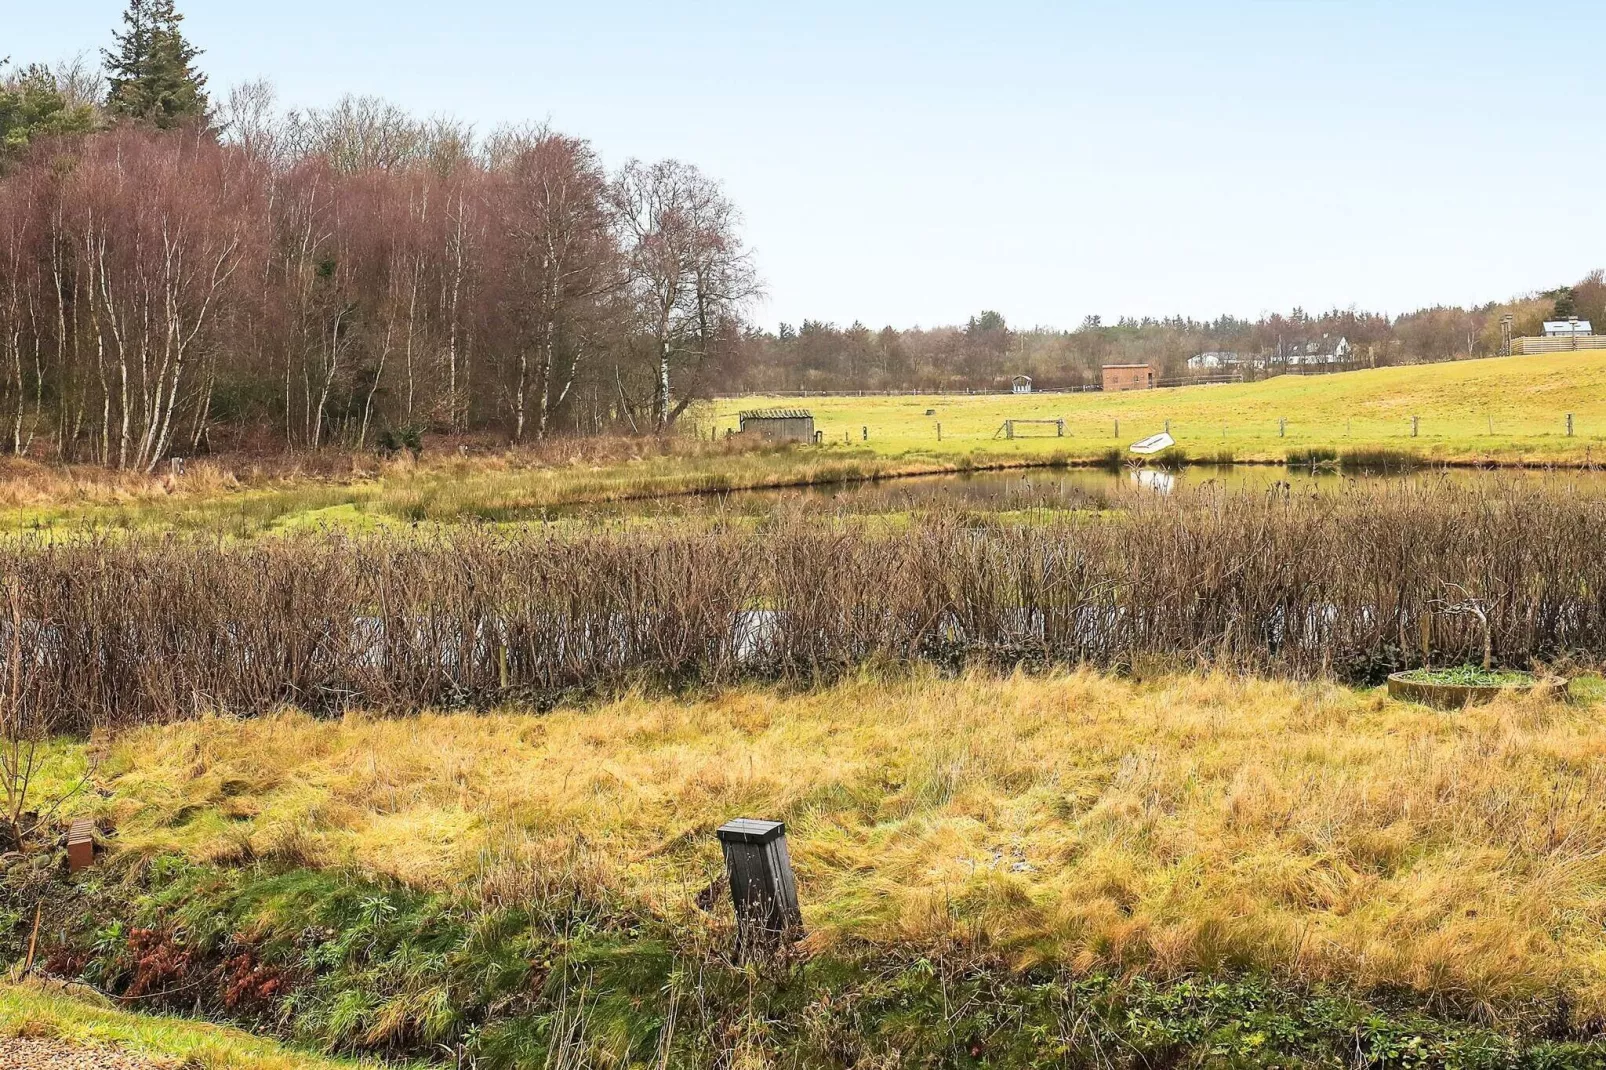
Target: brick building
x=1128, y=377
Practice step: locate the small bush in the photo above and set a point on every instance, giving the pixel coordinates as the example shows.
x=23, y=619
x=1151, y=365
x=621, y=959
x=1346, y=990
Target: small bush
x=1378, y=461
x=1312, y=458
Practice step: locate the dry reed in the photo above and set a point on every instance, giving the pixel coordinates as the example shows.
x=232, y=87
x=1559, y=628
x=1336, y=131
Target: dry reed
x=137, y=629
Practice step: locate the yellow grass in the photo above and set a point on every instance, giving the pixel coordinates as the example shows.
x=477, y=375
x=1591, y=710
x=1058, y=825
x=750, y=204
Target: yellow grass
x=1527, y=398
x=516, y=485
x=39, y=1011
x=1168, y=825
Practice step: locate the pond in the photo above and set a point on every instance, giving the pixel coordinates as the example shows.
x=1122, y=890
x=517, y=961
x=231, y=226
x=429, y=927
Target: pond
x=1051, y=489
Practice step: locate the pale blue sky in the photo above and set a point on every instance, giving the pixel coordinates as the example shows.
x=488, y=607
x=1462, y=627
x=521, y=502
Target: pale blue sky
x=915, y=162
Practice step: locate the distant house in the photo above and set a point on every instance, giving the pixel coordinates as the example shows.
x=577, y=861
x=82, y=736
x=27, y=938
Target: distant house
x=1119, y=377
x=1560, y=336
x=1021, y=384
x=1324, y=350
x=779, y=425
x=1566, y=328
x=1214, y=360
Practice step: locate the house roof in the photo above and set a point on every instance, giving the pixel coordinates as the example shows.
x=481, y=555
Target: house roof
x=1108, y=366
x=777, y=414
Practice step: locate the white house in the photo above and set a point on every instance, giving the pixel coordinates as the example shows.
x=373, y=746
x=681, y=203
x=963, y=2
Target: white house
x=1214, y=360
x=1324, y=350
x=1566, y=328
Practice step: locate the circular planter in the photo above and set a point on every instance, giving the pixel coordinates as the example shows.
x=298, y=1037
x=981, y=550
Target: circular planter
x=1455, y=696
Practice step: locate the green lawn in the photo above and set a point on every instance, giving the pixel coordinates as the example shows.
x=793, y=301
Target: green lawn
x=1524, y=399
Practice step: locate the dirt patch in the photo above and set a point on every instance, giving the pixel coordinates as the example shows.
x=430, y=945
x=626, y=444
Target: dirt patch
x=21, y=1053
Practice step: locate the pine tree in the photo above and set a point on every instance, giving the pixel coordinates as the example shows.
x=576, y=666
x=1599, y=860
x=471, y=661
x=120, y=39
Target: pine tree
x=32, y=105
x=153, y=77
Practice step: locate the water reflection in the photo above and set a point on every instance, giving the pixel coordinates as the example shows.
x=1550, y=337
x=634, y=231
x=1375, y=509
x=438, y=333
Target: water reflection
x=1154, y=479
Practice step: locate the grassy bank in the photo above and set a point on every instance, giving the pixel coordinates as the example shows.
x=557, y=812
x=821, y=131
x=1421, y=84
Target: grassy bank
x=1168, y=829
x=91, y=1023
x=240, y=497
x=1508, y=409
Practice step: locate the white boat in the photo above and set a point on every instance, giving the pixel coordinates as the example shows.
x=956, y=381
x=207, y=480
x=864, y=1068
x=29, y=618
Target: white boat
x=1154, y=444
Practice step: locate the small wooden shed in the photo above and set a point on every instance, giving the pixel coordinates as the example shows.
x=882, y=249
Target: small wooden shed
x=779, y=425
x=1021, y=384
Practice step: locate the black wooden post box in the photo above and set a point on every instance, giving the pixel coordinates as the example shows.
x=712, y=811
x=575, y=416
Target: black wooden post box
x=763, y=889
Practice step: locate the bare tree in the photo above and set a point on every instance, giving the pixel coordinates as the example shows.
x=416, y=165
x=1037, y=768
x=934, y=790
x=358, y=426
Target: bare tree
x=248, y=117
x=689, y=272
x=560, y=261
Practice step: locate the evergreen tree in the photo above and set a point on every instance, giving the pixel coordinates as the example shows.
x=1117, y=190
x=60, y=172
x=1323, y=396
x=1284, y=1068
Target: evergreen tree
x=32, y=106
x=153, y=76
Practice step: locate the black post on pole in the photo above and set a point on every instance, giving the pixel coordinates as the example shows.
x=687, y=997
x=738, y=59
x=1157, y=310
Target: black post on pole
x=763, y=890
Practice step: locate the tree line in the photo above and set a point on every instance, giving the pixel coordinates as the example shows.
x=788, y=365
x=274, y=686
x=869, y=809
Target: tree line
x=173, y=271
x=985, y=352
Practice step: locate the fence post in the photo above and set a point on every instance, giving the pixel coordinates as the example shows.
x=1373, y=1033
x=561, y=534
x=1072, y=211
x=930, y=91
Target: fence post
x=1059, y=427
x=1415, y=425
x=763, y=890
x=939, y=430
x=1117, y=427
x=1282, y=427
x=1168, y=427
x=866, y=432
x=1009, y=428
x=1569, y=425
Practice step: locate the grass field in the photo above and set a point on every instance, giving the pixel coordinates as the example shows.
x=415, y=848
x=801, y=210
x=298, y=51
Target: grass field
x=1525, y=399
x=1185, y=824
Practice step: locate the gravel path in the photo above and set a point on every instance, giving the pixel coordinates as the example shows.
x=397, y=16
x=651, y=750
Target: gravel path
x=21, y=1054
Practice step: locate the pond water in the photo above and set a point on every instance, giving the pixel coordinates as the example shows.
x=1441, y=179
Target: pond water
x=1053, y=489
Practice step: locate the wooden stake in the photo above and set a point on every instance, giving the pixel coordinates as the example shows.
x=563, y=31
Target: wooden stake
x=33, y=940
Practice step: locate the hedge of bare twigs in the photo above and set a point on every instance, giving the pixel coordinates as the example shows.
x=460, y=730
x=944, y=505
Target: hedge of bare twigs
x=111, y=632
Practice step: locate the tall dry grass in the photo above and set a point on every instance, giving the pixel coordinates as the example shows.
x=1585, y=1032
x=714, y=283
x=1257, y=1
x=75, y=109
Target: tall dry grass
x=118, y=631
x=1182, y=824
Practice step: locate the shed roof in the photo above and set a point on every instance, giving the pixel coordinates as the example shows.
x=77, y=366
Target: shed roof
x=777, y=414
x=1128, y=365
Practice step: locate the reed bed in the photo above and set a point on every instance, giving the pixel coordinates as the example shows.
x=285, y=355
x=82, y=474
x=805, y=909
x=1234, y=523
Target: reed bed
x=1351, y=584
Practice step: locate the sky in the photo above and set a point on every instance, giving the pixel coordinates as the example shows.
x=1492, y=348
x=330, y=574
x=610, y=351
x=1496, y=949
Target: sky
x=913, y=163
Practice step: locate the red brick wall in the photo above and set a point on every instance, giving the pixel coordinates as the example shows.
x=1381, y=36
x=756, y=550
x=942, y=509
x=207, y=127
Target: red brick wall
x=1128, y=378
